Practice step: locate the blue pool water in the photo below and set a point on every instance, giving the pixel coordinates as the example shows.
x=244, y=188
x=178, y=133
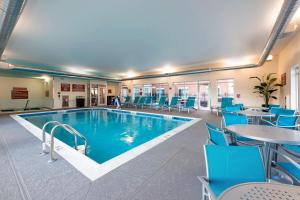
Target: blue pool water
x=109, y=132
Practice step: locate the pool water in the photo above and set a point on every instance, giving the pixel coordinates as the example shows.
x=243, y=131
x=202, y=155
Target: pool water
x=109, y=132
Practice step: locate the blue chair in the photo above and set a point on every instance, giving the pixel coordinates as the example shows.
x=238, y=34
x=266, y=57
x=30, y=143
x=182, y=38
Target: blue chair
x=234, y=108
x=241, y=105
x=173, y=103
x=226, y=101
x=227, y=166
x=287, y=165
x=284, y=121
x=216, y=136
x=161, y=102
x=274, y=106
x=235, y=119
x=294, y=150
x=141, y=102
x=190, y=103
x=148, y=101
x=136, y=101
x=127, y=101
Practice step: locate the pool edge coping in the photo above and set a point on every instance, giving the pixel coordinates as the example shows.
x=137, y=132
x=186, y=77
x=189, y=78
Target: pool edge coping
x=85, y=165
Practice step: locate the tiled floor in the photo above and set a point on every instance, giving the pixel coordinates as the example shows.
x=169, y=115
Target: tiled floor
x=167, y=171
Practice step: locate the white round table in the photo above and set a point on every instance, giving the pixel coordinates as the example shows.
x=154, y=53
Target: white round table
x=270, y=135
x=256, y=114
x=261, y=191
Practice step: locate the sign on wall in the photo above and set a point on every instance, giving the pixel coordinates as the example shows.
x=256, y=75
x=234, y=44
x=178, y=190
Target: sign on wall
x=78, y=87
x=19, y=93
x=65, y=87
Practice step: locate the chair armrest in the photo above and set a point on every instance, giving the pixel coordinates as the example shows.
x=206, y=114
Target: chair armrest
x=269, y=122
x=290, y=152
x=205, y=184
x=285, y=156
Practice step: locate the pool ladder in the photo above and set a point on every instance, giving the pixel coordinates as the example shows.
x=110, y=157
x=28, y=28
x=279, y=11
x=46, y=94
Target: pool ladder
x=66, y=127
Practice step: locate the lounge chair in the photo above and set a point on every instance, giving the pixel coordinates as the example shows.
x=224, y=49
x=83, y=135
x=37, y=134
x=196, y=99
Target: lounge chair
x=141, y=102
x=161, y=103
x=173, y=103
x=190, y=103
x=148, y=101
x=136, y=101
x=127, y=101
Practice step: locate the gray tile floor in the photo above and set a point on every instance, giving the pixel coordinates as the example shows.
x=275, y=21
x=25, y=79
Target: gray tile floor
x=167, y=171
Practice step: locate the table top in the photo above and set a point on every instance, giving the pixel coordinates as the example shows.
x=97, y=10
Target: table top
x=269, y=134
x=261, y=191
x=256, y=113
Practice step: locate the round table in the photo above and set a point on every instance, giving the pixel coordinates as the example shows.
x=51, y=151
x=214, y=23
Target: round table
x=261, y=191
x=270, y=135
x=256, y=114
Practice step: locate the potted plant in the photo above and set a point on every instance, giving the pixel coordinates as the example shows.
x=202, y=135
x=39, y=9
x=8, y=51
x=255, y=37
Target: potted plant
x=266, y=87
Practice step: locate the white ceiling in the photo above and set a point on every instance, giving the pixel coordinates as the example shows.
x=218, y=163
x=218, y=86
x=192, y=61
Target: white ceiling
x=98, y=36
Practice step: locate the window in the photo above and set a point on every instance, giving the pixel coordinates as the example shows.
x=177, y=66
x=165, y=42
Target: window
x=147, y=90
x=159, y=90
x=295, y=87
x=225, y=88
x=187, y=89
x=137, y=91
x=124, y=93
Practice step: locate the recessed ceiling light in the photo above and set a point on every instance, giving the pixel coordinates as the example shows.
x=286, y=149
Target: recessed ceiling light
x=167, y=69
x=130, y=74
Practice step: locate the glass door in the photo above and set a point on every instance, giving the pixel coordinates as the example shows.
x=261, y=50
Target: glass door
x=94, y=95
x=124, y=93
x=204, y=102
x=102, y=94
x=187, y=89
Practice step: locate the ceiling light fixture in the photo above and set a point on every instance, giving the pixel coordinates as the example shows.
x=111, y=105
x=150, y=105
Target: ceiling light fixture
x=167, y=69
x=270, y=57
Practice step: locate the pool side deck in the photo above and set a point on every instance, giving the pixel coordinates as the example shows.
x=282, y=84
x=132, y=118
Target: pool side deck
x=167, y=171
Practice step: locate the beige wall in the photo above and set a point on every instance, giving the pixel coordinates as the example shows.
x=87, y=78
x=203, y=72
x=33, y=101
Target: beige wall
x=288, y=57
x=243, y=85
x=72, y=95
x=36, y=89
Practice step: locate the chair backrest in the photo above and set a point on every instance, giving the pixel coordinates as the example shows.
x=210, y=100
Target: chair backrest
x=216, y=135
x=162, y=101
x=127, y=99
x=275, y=110
x=142, y=100
x=226, y=101
x=288, y=121
x=234, y=119
x=241, y=105
x=174, y=101
x=148, y=100
x=190, y=102
x=234, y=108
x=274, y=106
x=136, y=100
x=235, y=164
x=283, y=111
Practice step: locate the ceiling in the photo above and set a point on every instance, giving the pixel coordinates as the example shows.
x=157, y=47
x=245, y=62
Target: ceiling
x=112, y=37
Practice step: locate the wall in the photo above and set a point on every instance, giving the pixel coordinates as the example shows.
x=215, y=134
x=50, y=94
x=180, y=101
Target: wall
x=243, y=85
x=36, y=89
x=72, y=95
x=288, y=57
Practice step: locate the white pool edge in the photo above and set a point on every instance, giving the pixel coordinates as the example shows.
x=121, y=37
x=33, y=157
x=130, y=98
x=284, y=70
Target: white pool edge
x=90, y=168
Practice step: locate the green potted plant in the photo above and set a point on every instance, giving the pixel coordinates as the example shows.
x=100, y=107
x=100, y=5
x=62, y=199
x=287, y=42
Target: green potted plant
x=266, y=87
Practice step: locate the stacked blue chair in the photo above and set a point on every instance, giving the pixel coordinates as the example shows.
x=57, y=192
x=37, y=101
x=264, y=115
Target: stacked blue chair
x=216, y=136
x=227, y=166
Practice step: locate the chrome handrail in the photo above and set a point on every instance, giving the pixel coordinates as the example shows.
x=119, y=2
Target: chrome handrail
x=44, y=147
x=66, y=127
